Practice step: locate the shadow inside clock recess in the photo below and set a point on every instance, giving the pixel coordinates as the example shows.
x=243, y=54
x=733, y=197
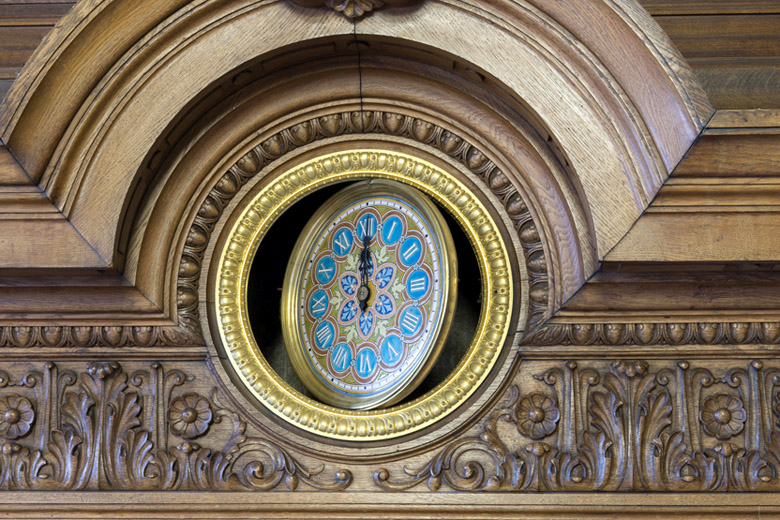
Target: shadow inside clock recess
x=267, y=276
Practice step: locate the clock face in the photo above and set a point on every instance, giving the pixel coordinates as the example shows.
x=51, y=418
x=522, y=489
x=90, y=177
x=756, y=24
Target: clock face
x=368, y=295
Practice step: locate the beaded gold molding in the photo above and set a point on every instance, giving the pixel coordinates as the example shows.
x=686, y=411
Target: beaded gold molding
x=244, y=237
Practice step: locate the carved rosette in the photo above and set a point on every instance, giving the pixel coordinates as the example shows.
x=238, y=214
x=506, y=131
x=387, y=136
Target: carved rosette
x=102, y=427
x=16, y=416
x=624, y=426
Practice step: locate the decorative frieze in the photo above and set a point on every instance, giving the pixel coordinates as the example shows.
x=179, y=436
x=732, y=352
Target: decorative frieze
x=624, y=426
x=148, y=428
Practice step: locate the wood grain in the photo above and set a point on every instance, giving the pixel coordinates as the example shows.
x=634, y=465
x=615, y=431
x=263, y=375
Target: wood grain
x=736, y=55
x=44, y=242
x=756, y=118
x=30, y=14
x=701, y=236
x=290, y=505
x=699, y=7
x=675, y=292
x=745, y=85
x=724, y=36
x=565, y=134
x=732, y=155
x=16, y=46
x=10, y=171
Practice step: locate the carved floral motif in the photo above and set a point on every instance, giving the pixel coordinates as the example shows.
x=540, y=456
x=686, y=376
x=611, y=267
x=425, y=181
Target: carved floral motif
x=536, y=415
x=722, y=416
x=16, y=416
x=628, y=426
x=189, y=416
x=354, y=8
x=105, y=428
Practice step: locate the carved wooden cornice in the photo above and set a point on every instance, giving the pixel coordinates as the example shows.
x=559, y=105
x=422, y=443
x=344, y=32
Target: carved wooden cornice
x=619, y=426
x=57, y=336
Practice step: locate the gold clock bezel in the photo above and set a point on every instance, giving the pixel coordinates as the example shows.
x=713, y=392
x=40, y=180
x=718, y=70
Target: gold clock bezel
x=290, y=292
x=245, y=234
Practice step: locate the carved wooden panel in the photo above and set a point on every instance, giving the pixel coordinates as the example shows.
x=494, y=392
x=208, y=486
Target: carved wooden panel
x=625, y=425
x=635, y=373
x=136, y=426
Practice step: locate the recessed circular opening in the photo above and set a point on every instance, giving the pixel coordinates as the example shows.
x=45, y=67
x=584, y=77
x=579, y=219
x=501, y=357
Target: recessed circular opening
x=266, y=278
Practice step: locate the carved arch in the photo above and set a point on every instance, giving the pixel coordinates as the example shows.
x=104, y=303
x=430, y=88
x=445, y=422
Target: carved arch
x=119, y=122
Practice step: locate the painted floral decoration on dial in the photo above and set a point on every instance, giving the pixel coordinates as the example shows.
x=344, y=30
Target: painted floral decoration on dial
x=372, y=297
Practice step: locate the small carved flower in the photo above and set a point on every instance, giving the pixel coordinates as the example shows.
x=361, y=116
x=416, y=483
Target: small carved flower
x=189, y=416
x=16, y=416
x=722, y=416
x=536, y=415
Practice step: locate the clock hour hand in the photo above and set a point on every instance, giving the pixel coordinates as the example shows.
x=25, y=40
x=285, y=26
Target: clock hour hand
x=364, y=293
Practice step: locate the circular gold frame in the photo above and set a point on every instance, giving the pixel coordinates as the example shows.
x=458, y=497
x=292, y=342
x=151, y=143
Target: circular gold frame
x=290, y=317
x=244, y=236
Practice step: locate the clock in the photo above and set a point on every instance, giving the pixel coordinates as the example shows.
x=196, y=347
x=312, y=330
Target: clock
x=369, y=294
x=369, y=287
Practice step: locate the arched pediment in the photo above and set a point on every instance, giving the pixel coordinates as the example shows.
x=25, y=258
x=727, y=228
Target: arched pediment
x=132, y=92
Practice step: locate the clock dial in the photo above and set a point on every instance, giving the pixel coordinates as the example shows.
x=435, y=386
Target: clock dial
x=368, y=295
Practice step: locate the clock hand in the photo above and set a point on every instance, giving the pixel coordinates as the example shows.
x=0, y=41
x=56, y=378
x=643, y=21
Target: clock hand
x=365, y=262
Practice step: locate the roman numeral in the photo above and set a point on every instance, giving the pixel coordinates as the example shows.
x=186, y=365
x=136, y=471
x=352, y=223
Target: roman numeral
x=319, y=304
x=340, y=358
x=342, y=241
x=409, y=252
x=323, y=334
x=392, y=349
x=410, y=321
x=418, y=284
x=365, y=363
x=389, y=234
x=322, y=269
x=366, y=226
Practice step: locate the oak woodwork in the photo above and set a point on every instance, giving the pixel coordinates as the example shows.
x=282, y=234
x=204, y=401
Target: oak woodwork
x=693, y=7
x=642, y=151
x=642, y=371
x=733, y=50
x=720, y=199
